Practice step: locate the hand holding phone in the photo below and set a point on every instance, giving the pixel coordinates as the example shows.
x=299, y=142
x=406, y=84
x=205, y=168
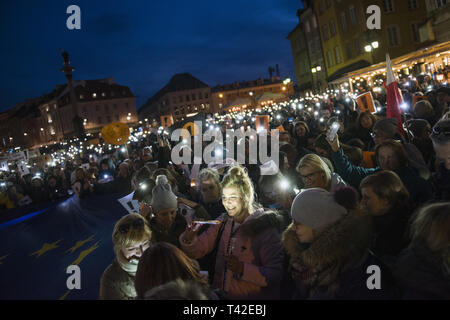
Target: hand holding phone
x=333, y=131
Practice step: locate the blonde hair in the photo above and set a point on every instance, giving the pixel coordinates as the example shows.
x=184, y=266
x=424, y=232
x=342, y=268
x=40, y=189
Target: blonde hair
x=432, y=224
x=126, y=237
x=315, y=162
x=238, y=178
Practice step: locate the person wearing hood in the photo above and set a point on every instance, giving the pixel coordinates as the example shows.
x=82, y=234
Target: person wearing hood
x=131, y=237
x=315, y=173
x=247, y=240
x=328, y=247
x=422, y=270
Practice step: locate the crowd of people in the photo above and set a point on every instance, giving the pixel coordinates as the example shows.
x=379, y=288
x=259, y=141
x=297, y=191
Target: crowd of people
x=370, y=196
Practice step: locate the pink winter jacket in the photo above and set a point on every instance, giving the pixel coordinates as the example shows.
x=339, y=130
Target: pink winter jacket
x=257, y=243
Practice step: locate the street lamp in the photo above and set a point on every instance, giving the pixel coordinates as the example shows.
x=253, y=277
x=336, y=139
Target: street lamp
x=315, y=69
x=371, y=47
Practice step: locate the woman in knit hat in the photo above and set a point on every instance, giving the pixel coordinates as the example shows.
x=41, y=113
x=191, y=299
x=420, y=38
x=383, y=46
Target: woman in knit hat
x=328, y=247
x=166, y=224
x=131, y=237
x=247, y=240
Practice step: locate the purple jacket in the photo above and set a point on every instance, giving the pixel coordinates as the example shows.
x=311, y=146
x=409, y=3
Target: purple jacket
x=257, y=243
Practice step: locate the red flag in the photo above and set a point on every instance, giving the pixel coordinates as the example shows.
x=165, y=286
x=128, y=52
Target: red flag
x=393, y=96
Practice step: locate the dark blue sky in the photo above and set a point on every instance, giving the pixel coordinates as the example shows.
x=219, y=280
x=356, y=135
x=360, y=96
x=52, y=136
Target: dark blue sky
x=142, y=43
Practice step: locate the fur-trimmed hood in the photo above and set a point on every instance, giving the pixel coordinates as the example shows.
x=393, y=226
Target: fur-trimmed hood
x=260, y=221
x=334, y=251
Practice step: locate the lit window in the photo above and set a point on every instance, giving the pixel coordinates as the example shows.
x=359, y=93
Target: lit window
x=94, y=95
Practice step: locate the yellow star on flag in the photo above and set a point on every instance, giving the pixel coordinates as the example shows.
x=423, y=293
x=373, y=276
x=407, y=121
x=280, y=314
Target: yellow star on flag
x=46, y=247
x=84, y=253
x=2, y=258
x=79, y=244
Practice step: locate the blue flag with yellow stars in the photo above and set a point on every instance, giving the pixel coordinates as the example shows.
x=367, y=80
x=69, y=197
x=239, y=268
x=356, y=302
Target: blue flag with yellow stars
x=37, y=248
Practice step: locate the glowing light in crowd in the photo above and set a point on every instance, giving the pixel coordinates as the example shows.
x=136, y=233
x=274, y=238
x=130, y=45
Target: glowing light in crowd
x=284, y=184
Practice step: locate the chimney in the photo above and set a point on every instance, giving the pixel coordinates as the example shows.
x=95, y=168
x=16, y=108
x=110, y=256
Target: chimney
x=278, y=71
x=270, y=72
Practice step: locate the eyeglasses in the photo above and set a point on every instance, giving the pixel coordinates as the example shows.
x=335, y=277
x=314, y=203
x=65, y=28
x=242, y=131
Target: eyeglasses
x=440, y=131
x=309, y=176
x=136, y=224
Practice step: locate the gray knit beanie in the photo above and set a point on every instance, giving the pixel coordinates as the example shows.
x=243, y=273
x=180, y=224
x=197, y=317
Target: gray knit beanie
x=389, y=126
x=316, y=209
x=163, y=197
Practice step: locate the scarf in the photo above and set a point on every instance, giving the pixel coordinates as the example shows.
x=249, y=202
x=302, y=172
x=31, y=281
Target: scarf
x=129, y=266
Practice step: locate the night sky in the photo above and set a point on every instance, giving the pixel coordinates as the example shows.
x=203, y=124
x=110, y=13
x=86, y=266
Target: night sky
x=142, y=43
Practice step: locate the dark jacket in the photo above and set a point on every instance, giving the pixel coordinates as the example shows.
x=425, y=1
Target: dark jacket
x=421, y=274
x=441, y=184
x=390, y=233
x=418, y=188
x=171, y=236
x=335, y=265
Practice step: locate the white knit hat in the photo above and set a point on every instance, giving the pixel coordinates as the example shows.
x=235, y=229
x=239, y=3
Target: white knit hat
x=316, y=209
x=163, y=198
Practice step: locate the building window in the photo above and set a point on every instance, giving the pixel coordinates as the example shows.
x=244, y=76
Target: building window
x=112, y=93
x=415, y=32
x=307, y=27
x=344, y=21
x=321, y=9
x=97, y=108
x=200, y=96
x=193, y=97
x=206, y=95
x=106, y=108
x=357, y=46
x=330, y=58
x=187, y=98
x=325, y=32
x=174, y=100
x=314, y=22
x=126, y=105
x=99, y=120
x=441, y=3
x=328, y=3
x=393, y=36
x=332, y=28
x=337, y=54
x=412, y=4
x=348, y=50
x=117, y=117
x=108, y=119
x=352, y=15
x=388, y=6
